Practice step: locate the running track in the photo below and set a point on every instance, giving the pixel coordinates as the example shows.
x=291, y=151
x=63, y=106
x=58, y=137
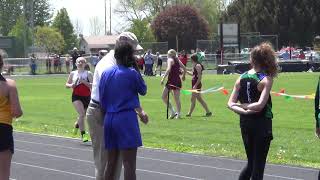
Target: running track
x=41, y=157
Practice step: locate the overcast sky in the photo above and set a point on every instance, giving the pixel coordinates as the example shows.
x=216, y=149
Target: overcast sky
x=83, y=10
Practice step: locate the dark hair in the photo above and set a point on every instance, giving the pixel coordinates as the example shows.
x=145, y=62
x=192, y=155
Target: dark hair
x=194, y=58
x=124, y=54
x=1, y=62
x=264, y=57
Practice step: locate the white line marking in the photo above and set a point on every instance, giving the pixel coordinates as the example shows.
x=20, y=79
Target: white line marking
x=53, y=145
x=55, y=170
x=168, y=174
x=162, y=150
x=80, y=160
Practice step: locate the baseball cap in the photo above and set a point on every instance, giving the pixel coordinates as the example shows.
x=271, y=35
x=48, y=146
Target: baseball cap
x=130, y=38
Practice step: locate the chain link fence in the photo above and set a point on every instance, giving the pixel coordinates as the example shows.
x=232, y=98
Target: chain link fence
x=161, y=47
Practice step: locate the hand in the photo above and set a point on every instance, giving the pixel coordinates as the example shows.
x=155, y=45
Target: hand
x=244, y=105
x=73, y=85
x=194, y=87
x=318, y=132
x=143, y=117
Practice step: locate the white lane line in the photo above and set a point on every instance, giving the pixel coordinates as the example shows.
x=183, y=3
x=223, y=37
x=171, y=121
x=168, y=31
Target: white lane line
x=162, y=150
x=55, y=170
x=168, y=174
x=85, y=161
x=12, y=179
x=54, y=145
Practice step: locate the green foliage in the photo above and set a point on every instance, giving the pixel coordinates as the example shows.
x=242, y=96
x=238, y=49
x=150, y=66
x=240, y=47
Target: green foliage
x=19, y=30
x=10, y=11
x=48, y=109
x=50, y=39
x=296, y=22
x=182, y=21
x=63, y=24
x=141, y=28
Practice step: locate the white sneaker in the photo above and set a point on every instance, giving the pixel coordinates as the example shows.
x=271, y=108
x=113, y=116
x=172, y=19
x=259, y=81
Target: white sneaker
x=173, y=115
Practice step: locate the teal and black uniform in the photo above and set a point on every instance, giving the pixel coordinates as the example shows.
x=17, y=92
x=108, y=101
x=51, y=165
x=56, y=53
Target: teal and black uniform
x=256, y=129
x=316, y=106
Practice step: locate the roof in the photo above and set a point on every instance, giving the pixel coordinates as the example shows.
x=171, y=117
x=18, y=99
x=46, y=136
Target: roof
x=100, y=41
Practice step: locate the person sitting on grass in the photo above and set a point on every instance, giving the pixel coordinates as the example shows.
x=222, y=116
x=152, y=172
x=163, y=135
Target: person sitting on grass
x=196, y=85
x=80, y=81
x=9, y=108
x=252, y=90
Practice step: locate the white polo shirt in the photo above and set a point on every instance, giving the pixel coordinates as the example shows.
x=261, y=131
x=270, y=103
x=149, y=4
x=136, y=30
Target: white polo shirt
x=106, y=62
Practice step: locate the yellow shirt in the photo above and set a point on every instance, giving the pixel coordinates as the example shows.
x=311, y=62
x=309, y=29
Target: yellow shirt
x=5, y=111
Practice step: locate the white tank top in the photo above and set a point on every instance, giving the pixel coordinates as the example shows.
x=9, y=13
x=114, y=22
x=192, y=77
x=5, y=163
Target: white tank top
x=77, y=76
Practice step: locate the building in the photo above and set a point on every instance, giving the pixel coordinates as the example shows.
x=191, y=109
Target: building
x=93, y=44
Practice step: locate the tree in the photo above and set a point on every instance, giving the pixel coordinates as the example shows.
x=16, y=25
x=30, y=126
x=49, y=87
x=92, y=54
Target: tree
x=50, y=39
x=183, y=22
x=11, y=10
x=296, y=22
x=141, y=28
x=63, y=24
x=19, y=31
x=95, y=26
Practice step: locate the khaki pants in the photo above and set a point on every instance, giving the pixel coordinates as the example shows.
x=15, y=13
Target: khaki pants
x=95, y=123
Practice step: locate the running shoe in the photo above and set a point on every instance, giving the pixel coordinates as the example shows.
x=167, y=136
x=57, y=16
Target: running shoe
x=85, y=137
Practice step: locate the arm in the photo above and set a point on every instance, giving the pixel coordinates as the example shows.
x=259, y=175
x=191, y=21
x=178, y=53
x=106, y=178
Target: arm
x=88, y=84
x=142, y=115
x=199, y=71
x=184, y=70
x=258, y=106
x=232, y=103
x=69, y=83
x=169, y=65
x=16, y=110
x=141, y=85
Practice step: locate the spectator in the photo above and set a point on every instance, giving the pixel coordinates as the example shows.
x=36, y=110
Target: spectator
x=302, y=56
x=33, y=65
x=94, y=60
x=140, y=63
x=119, y=88
x=201, y=55
x=285, y=55
x=75, y=54
x=48, y=64
x=9, y=109
x=183, y=57
x=94, y=114
x=67, y=63
x=56, y=60
x=148, y=60
x=159, y=64
x=252, y=90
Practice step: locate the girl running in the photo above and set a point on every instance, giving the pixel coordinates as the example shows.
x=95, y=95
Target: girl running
x=174, y=82
x=80, y=81
x=252, y=90
x=196, y=85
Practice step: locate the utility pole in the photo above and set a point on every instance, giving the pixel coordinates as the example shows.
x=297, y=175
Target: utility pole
x=105, y=17
x=32, y=25
x=110, y=17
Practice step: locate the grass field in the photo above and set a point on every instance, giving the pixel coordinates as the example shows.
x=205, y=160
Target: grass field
x=47, y=109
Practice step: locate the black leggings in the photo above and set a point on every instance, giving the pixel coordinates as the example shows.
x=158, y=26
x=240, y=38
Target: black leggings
x=257, y=148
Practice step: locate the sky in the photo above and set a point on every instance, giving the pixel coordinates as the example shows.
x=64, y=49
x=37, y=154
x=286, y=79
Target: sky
x=83, y=10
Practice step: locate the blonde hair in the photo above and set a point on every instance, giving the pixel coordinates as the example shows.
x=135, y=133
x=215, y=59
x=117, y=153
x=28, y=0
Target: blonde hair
x=81, y=59
x=172, y=53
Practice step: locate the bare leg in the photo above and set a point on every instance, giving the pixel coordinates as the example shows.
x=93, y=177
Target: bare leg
x=5, y=164
x=193, y=104
x=81, y=112
x=165, y=99
x=176, y=94
x=129, y=163
x=203, y=103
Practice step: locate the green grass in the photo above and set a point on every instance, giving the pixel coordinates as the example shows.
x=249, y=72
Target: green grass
x=47, y=109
